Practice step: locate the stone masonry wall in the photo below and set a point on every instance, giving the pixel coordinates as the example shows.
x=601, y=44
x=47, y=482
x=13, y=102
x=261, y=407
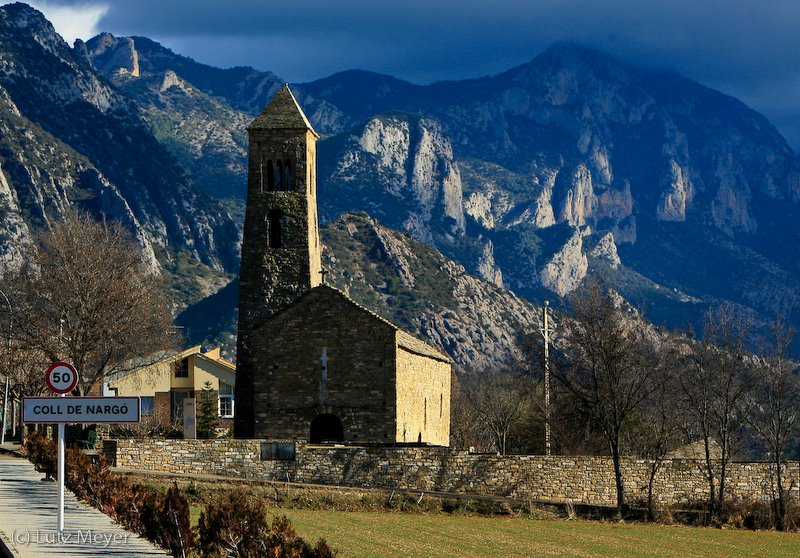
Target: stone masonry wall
x=359, y=386
x=564, y=479
x=423, y=399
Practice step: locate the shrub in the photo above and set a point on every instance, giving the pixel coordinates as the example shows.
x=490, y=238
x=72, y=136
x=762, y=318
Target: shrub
x=236, y=525
x=175, y=532
x=41, y=452
x=233, y=525
x=161, y=518
x=283, y=542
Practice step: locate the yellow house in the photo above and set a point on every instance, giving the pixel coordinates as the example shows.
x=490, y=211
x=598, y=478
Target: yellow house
x=164, y=385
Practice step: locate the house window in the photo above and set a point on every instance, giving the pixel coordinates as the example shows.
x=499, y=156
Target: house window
x=182, y=368
x=225, y=400
x=147, y=405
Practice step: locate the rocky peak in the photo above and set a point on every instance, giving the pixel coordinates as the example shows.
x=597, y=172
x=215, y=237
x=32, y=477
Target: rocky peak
x=487, y=267
x=242, y=88
x=36, y=58
x=171, y=80
x=606, y=250
x=566, y=268
x=113, y=56
x=574, y=200
x=30, y=21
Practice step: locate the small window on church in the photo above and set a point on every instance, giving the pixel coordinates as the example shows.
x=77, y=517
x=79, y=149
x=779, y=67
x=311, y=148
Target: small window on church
x=279, y=185
x=275, y=223
x=270, y=176
x=287, y=174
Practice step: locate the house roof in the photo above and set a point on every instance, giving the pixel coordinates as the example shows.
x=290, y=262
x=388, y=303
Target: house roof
x=282, y=112
x=138, y=365
x=217, y=360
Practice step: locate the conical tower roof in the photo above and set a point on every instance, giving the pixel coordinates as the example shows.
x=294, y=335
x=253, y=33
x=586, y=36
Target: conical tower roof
x=282, y=112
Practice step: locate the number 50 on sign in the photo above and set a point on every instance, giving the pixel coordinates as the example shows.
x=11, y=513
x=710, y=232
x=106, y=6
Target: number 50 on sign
x=61, y=377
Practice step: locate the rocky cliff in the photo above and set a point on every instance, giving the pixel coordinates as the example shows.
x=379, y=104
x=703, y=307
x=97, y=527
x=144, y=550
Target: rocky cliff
x=73, y=141
x=690, y=184
x=519, y=176
x=568, y=165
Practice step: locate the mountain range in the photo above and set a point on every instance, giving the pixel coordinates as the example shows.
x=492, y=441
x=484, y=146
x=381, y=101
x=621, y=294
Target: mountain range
x=451, y=208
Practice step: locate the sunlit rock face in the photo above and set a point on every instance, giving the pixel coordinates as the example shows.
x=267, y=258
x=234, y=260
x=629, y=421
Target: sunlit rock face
x=567, y=267
x=406, y=166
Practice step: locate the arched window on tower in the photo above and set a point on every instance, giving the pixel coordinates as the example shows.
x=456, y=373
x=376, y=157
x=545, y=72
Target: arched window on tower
x=275, y=224
x=287, y=174
x=270, y=176
x=279, y=175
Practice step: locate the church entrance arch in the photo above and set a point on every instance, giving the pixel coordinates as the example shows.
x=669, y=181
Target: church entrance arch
x=326, y=428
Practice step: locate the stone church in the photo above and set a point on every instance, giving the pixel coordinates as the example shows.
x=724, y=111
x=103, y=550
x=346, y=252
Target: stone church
x=311, y=363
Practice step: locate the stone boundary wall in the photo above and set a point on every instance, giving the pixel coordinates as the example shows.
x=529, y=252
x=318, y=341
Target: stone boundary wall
x=563, y=479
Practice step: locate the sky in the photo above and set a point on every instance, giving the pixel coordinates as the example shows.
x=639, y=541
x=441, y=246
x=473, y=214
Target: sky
x=746, y=48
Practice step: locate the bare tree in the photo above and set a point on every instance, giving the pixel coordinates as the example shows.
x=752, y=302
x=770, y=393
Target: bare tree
x=658, y=423
x=610, y=370
x=499, y=402
x=85, y=296
x=775, y=408
x=465, y=429
x=714, y=390
x=26, y=377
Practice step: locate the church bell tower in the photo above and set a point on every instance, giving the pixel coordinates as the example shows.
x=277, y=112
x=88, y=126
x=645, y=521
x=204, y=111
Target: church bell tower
x=280, y=245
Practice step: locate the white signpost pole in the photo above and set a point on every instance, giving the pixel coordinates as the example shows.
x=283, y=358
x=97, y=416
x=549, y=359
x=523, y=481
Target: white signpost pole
x=61, y=377
x=61, y=479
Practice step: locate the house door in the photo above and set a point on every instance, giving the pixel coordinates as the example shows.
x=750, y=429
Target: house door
x=326, y=428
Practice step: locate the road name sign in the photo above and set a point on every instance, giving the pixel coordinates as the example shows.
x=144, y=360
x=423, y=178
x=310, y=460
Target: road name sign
x=91, y=410
x=61, y=377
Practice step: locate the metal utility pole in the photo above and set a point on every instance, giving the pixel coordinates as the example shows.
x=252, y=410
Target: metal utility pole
x=546, y=328
x=8, y=371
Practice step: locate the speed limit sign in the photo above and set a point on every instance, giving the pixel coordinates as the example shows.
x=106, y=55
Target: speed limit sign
x=61, y=377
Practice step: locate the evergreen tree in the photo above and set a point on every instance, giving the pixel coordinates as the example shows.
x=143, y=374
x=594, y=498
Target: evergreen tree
x=207, y=421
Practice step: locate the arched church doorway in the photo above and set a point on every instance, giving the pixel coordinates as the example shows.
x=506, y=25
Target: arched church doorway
x=326, y=428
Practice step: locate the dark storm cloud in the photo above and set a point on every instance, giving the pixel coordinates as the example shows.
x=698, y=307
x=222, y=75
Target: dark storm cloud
x=746, y=48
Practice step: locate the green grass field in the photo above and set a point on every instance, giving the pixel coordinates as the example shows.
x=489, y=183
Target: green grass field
x=382, y=535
